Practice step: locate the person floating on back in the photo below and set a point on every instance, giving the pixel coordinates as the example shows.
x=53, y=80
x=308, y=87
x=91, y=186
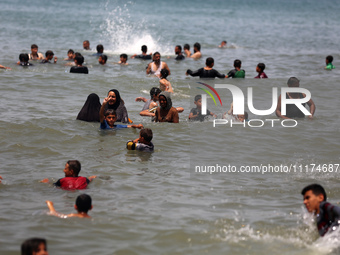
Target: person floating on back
x=329, y=65
x=83, y=205
x=71, y=180
x=260, y=68
x=79, y=68
x=237, y=72
x=196, y=113
x=143, y=143
x=207, y=71
x=327, y=215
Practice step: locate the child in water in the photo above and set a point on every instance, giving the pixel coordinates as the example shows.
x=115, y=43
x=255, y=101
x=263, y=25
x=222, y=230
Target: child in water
x=71, y=180
x=143, y=143
x=260, y=68
x=70, y=55
x=329, y=65
x=34, y=246
x=102, y=59
x=23, y=60
x=83, y=205
x=164, y=84
x=123, y=59
x=195, y=113
x=107, y=120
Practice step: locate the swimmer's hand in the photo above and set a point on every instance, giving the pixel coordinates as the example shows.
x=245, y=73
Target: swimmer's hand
x=106, y=99
x=92, y=177
x=138, y=99
x=45, y=180
x=139, y=126
x=55, y=60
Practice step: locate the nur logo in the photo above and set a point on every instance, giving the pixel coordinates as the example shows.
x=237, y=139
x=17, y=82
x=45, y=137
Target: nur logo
x=204, y=97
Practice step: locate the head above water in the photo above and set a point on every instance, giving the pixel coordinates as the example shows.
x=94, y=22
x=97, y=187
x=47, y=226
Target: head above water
x=293, y=82
x=146, y=133
x=86, y=44
x=79, y=60
x=154, y=92
x=237, y=63
x=23, y=57
x=178, y=49
x=165, y=100
x=144, y=48
x=209, y=62
x=83, y=203
x=317, y=189
x=75, y=166
x=197, y=47
x=261, y=66
x=34, y=246
x=100, y=48
x=329, y=59
x=164, y=73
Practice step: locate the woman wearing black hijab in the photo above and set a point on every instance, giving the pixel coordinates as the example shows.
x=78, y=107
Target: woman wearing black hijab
x=90, y=110
x=113, y=101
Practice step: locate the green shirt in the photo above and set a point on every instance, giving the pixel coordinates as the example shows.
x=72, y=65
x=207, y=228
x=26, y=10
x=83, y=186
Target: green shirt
x=329, y=66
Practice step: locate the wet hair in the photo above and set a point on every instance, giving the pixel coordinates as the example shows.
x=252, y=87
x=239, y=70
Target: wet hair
x=83, y=203
x=209, y=61
x=23, y=57
x=186, y=46
x=75, y=166
x=104, y=57
x=261, y=66
x=317, y=189
x=237, y=63
x=198, y=97
x=124, y=56
x=293, y=82
x=197, y=46
x=224, y=42
x=49, y=53
x=77, y=54
x=34, y=46
x=110, y=112
x=179, y=47
x=144, y=48
x=87, y=41
x=80, y=59
x=329, y=58
x=157, y=53
x=70, y=51
x=146, y=133
x=100, y=48
x=154, y=91
x=31, y=245
x=164, y=73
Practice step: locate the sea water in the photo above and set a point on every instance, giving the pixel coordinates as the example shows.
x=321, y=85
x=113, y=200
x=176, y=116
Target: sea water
x=156, y=203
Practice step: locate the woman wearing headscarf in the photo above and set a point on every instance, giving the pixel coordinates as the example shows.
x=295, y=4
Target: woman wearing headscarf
x=165, y=112
x=113, y=101
x=90, y=110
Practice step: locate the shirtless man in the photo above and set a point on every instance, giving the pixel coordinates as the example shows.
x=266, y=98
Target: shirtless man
x=157, y=65
x=197, y=51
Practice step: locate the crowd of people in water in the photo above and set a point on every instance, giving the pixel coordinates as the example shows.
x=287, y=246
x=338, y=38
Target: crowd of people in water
x=159, y=108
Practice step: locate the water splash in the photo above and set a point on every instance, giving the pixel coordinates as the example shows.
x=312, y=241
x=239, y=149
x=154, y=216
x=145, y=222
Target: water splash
x=122, y=33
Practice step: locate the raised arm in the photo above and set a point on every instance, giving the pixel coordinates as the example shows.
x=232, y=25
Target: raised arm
x=102, y=109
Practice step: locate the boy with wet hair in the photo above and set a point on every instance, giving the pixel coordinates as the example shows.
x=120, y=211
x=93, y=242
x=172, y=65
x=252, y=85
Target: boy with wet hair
x=35, y=55
x=49, y=56
x=83, y=205
x=102, y=59
x=260, y=68
x=23, y=60
x=70, y=55
x=108, y=119
x=123, y=59
x=100, y=49
x=195, y=113
x=327, y=215
x=329, y=65
x=237, y=72
x=143, y=143
x=79, y=68
x=71, y=180
x=150, y=104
